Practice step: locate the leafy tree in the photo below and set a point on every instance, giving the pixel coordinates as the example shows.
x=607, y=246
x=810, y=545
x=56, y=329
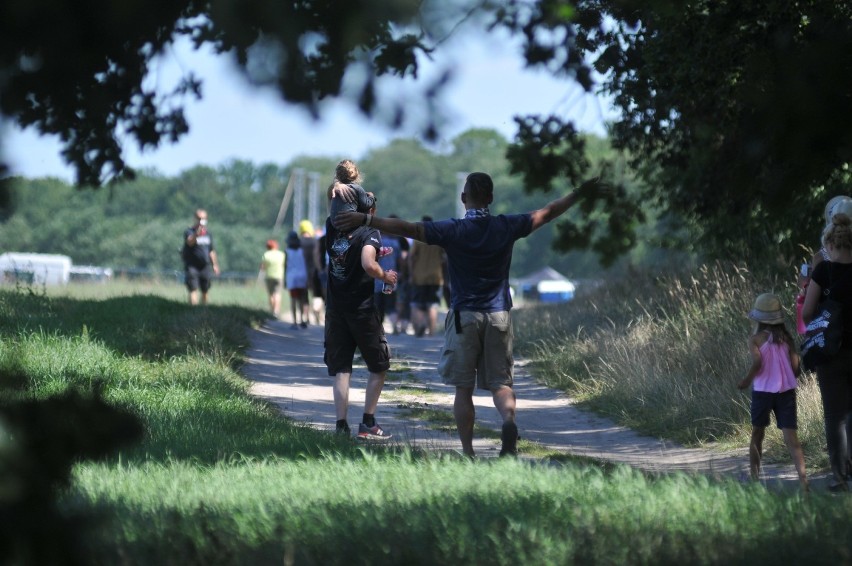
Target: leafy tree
x=406, y=178
x=302, y=48
x=736, y=113
x=241, y=246
x=76, y=68
x=148, y=194
x=40, y=201
x=479, y=149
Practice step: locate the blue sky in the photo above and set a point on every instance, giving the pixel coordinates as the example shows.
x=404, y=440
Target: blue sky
x=236, y=120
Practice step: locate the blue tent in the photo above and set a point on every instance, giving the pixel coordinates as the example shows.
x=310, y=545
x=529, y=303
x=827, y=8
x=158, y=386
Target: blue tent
x=545, y=285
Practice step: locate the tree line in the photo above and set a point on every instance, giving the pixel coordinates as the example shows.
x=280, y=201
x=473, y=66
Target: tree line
x=138, y=224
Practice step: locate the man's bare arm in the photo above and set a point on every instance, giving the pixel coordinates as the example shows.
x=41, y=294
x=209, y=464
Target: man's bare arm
x=552, y=210
x=372, y=267
x=215, y=261
x=559, y=206
x=347, y=221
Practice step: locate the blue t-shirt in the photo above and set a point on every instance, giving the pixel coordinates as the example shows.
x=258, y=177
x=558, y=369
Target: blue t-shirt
x=390, y=261
x=479, y=254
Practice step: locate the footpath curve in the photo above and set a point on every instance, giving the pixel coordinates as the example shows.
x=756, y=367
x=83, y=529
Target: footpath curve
x=285, y=367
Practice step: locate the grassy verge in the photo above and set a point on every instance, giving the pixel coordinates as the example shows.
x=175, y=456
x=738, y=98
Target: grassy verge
x=220, y=478
x=406, y=511
x=664, y=355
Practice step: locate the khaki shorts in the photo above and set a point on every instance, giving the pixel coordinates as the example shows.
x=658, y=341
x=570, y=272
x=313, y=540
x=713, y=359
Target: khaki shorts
x=274, y=286
x=481, y=355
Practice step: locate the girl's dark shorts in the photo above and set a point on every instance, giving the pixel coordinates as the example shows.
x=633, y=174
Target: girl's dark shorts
x=346, y=331
x=782, y=404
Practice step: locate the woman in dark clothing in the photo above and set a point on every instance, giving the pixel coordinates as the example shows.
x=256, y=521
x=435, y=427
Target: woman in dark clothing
x=834, y=277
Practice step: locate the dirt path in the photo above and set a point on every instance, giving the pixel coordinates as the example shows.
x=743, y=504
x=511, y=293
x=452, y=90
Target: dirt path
x=286, y=368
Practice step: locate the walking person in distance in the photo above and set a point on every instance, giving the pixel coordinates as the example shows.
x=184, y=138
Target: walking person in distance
x=272, y=266
x=426, y=269
x=199, y=258
x=296, y=279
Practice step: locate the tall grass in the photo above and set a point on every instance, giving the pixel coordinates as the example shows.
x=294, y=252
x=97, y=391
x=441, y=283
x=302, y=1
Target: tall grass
x=664, y=355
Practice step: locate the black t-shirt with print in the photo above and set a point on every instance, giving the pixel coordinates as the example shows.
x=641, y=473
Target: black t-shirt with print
x=197, y=256
x=349, y=286
x=838, y=278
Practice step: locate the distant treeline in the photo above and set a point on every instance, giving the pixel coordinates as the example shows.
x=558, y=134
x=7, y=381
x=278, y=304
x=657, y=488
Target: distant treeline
x=139, y=224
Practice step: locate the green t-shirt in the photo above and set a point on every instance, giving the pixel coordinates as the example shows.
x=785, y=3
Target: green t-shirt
x=273, y=264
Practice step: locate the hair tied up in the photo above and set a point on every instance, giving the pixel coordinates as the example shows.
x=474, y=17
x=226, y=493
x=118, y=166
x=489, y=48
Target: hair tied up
x=841, y=220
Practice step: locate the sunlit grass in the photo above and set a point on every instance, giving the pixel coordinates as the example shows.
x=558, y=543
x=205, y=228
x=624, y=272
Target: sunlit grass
x=445, y=510
x=249, y=295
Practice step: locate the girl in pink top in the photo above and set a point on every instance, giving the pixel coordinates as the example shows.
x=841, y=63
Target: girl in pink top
x=774, y=367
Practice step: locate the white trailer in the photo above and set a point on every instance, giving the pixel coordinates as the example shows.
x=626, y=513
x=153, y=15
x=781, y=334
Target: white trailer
x=36, y=269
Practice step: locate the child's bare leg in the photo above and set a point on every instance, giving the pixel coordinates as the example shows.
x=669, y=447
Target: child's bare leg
x=791, y=439
x=755, y=450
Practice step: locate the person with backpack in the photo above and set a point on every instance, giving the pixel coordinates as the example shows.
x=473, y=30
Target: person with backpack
x=833, y=279
x=351, y=319
x=807, y=268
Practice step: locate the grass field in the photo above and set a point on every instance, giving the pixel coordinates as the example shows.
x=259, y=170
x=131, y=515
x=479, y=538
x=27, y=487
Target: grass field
x=218, y=477
x=251, y=295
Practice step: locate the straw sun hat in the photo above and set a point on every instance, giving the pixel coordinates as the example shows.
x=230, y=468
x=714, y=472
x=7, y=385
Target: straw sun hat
x=767, y=309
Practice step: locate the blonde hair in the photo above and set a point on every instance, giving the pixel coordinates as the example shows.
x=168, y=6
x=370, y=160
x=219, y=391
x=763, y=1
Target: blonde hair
x=838, y=234
x=347, y=172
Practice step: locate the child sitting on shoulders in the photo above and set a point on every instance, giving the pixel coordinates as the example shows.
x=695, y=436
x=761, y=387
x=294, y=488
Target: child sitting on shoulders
x=347, y=173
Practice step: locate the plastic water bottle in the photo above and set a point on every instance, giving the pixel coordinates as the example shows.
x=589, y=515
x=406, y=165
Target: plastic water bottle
x=387, y=288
